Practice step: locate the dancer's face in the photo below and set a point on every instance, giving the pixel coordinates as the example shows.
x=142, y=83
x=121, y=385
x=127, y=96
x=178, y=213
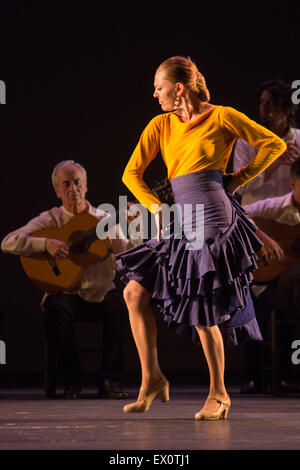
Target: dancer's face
x=164, y=91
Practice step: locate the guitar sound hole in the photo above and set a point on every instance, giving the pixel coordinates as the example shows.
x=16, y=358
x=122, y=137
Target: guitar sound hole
x=79, y=246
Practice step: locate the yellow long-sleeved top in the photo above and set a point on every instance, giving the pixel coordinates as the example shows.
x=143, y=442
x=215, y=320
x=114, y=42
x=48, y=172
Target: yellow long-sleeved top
x=203, y=144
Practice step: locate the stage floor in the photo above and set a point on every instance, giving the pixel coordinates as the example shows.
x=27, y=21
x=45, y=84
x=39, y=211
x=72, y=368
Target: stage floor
x=28, y=420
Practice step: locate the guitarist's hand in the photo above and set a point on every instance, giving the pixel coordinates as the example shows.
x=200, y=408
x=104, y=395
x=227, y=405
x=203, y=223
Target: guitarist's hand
x=271, y=251
x=57, y=248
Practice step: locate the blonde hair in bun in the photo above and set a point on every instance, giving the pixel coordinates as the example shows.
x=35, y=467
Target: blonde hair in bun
x=184, y=70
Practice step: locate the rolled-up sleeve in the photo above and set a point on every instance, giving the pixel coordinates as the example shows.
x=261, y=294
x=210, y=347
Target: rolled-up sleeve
x=20, y=241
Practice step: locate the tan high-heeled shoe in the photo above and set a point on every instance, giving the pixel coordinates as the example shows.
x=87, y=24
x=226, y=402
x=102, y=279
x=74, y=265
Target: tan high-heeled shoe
x=221, y=412
x=160, y=389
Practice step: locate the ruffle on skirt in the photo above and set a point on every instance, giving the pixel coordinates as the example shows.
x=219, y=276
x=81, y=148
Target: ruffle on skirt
x=208, y=286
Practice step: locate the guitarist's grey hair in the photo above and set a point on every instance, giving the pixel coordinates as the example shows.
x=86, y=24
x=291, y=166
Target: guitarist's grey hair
x=66, y=163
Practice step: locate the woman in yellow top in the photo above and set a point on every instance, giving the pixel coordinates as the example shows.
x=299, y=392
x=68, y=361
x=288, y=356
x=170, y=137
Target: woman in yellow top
x=203, y=291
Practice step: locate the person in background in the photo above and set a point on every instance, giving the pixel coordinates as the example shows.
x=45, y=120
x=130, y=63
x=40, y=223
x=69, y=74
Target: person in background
x=94, y=298
x=277, y=113
x=283, y=293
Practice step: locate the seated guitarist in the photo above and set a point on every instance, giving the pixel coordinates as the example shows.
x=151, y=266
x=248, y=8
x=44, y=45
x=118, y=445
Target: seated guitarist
x=95, y=296
x=282, y=294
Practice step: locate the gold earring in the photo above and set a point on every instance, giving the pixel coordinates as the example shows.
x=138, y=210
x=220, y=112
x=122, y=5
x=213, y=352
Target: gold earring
x=177, y=102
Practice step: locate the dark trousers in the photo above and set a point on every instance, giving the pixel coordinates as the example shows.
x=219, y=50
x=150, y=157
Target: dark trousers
x=284, y=292
x=61, y=311
x=283, y=296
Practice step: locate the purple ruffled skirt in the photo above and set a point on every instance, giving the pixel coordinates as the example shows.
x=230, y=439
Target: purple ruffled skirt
x=200, y=272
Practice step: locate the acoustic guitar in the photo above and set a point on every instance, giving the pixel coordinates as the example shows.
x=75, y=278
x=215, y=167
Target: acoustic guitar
x=57, y=275
x=288, y=237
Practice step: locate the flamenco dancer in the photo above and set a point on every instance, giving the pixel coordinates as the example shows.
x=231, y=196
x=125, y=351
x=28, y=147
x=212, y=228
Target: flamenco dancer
x=203, y=293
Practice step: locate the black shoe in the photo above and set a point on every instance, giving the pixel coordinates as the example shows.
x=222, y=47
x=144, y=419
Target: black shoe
x=50, y=390
x=50, y=393
x=286, y=387
x=250, y=387
x=71, y=393
x=111, y=389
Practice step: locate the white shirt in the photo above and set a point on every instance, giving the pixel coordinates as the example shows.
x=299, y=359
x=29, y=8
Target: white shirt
x=281, y=209
x=97, y=278
x=259, y=188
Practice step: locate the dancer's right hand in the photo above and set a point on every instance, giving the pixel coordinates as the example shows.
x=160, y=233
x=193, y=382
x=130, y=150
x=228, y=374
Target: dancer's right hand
x=232, y=187
x=158, y=221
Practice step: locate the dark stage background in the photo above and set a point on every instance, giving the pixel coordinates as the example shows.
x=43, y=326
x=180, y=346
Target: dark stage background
x=79, y=85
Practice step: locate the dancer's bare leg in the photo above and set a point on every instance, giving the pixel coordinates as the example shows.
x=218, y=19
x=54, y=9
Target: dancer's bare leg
x=144, y=330
x=213, y=348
